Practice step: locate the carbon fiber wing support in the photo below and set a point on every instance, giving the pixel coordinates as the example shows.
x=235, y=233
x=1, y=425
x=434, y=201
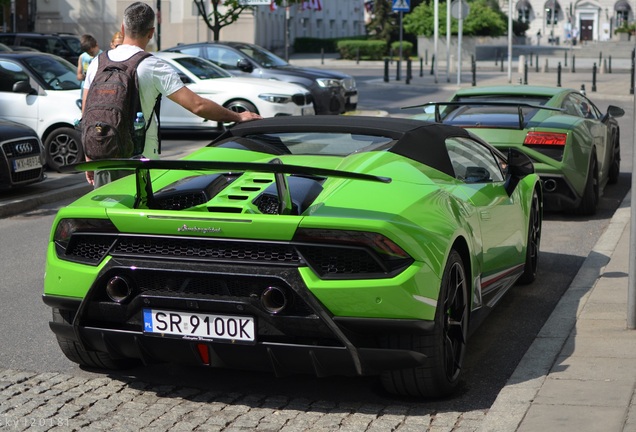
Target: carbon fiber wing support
x=143, y=180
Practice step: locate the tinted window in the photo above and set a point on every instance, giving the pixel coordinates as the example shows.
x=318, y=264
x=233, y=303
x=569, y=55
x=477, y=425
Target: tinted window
x=54, y=74
x=11, y=73
x=201, y=68
x=224, y=57
x=472, y=162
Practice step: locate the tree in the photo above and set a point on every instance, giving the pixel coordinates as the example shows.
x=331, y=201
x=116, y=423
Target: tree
x=485, y=19
x=216, y=19
x=223, y=17
x=382, y=25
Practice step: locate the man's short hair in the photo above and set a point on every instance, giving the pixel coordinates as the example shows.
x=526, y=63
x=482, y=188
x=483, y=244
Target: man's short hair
x=139, y=19
x=87, y=42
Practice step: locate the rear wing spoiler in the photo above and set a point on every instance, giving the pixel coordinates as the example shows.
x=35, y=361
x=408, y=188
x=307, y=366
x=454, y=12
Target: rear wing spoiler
x=143, y=180
x=518, y=105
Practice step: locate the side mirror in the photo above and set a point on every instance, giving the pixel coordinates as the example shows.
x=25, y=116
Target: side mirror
x=615, y=111
x=519, y=166
x=244, y=65
x=23, y=87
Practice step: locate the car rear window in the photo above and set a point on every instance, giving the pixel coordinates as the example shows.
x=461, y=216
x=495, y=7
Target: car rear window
x=310, y=143
x=491, y=115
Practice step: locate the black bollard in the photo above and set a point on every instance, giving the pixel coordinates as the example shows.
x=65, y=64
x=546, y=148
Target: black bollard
x=559, y=75
x=398, y=72
x=409, y=76
x=502, y=64
x=525, y=73
x=386, y=70
x=322, y=56
x=473, y=68
x=594, y=78
x=573, y=61
x=609, y=70
x=536, y=63
x=531, y=55
x=421, y=67
x=426, y=57
x=357, y=55
x=565, y=64
x=433, y=64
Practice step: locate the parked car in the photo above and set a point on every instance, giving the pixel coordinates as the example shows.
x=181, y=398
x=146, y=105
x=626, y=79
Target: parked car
x=267, y=98
x=574, y=146
x=42, y=91
x=334, y=245
x=333, y=92
x=21, y=154
x=64, y=45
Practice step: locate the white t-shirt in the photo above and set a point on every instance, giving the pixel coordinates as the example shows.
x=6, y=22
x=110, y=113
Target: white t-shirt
x=155, y=76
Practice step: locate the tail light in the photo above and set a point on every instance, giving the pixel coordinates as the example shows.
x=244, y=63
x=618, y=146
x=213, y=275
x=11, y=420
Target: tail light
x=545, y=138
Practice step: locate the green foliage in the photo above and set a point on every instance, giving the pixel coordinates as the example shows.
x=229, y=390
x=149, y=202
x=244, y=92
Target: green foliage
x=484, y=19
x=316, y=45
x=383, y=23
x=626, y=28
x=366, y=49
x=407, y=49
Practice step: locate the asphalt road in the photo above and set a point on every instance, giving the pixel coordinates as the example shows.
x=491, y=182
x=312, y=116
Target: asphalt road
x=30, y=355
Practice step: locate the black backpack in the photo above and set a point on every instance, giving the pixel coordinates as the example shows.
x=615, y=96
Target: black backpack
x=112, y=103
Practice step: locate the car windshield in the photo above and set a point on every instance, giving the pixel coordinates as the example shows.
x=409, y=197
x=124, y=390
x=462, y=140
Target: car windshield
x=54, y=73
x=202, y=68
x=476, y=115
x=261, y=56
x=309, y=143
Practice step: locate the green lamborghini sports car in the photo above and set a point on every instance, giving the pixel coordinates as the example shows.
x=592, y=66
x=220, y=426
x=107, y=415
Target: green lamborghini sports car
x=575, y=148
x=323, y=245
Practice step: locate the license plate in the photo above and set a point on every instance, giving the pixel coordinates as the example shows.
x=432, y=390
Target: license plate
x=25, y=164
x=353, y=99
x=309, y=111
x=198, y=326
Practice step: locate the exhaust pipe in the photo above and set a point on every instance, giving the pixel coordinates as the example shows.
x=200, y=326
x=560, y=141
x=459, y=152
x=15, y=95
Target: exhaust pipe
x=549, y=185
x=118, y=289
x=274, y=300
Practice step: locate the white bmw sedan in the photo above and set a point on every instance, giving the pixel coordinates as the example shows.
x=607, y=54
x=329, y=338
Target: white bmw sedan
x=268, y=98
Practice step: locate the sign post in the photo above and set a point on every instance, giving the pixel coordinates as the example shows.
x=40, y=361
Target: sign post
x=459, y=10
x=401, y=6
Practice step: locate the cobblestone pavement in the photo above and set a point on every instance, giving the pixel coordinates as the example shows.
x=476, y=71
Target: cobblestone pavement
x=62, y=402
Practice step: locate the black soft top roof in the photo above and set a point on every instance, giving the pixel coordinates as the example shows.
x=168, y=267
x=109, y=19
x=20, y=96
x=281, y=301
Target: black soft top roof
x=420, y=141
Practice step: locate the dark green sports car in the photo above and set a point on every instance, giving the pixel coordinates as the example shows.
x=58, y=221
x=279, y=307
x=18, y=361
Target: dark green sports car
x=325, y=245
x=575, y=148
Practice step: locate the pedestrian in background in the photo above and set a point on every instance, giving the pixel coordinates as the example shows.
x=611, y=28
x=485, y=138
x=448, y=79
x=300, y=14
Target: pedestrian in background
x=90, y=49
x=118, y=39
x=155, y=77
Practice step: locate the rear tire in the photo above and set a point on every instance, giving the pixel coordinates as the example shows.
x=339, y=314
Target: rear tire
x=590, y=198
x=615, y=165
x=534, y=241
x=444, y=349
x=77, y=354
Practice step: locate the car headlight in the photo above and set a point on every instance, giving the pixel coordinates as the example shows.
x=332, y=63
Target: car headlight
x=275, y=98
x=329, y=82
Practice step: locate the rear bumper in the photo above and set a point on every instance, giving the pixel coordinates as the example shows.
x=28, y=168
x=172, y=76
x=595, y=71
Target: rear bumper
x=305, y=339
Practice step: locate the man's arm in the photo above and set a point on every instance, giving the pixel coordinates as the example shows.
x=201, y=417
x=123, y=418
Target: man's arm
x=208, y=109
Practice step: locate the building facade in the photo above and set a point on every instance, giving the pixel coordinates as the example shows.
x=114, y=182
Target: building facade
x=559, y=21
x=179, y=22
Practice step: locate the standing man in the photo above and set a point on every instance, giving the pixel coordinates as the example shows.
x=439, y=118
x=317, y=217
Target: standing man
x=155, y=77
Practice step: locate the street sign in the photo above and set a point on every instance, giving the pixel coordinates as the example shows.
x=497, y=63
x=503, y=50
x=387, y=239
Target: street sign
x=465, y=9
x=401, y=5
